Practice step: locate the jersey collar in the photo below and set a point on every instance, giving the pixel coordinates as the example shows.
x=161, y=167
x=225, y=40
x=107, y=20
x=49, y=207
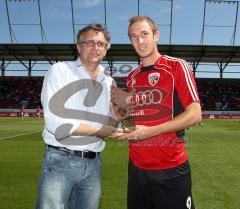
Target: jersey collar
x=153, y=66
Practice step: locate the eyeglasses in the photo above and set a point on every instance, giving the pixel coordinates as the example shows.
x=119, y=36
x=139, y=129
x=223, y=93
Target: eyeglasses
x=91, y=43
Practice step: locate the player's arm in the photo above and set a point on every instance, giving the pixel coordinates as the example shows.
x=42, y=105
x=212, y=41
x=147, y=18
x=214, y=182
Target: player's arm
x=191, y=115
x=185, y=86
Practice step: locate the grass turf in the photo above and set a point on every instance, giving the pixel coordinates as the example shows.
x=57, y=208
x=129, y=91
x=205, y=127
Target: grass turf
x=213, y=149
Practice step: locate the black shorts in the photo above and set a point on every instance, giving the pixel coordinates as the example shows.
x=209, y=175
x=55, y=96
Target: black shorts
x=160, y=189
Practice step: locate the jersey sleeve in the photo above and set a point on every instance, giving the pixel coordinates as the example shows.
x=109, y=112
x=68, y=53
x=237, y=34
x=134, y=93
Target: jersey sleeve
x=185, y=84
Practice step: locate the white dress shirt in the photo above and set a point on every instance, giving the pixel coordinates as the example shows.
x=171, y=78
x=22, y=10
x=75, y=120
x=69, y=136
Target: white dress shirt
x=63, y=78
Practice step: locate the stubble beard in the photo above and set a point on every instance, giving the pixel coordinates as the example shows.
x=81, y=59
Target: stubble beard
x=145, y=56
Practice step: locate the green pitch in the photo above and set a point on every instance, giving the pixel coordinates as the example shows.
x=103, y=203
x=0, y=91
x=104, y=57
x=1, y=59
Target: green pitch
x=214, y=154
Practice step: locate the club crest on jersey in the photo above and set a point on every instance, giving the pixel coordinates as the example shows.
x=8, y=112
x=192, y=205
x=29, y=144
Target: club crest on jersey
x=153, y=78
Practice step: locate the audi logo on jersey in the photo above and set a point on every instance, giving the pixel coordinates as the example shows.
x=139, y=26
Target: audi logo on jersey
x=150, y=105
x=148, y=97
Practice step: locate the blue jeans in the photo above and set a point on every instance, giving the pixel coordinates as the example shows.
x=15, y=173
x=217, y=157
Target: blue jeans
x=69, y=181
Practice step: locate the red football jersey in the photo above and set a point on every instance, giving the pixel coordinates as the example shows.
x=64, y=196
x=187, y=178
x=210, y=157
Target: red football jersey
x=38, y=110
x=162, y=91
x=22, y=109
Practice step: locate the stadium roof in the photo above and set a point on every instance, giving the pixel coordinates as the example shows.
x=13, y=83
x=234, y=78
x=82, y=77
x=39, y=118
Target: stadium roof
x=119, y=52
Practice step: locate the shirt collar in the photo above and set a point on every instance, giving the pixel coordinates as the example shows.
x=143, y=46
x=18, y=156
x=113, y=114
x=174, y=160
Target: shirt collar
x=78, y=64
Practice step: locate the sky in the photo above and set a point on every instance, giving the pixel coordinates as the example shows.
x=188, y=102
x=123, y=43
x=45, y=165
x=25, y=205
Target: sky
x=187, y=21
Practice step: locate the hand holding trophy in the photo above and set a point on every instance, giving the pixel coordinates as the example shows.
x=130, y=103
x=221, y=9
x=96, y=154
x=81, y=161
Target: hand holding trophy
x=121, y=105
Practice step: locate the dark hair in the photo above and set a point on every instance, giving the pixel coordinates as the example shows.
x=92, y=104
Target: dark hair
x=97, y=28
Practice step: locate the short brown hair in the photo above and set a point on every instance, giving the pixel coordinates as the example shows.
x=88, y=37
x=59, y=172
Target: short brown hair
x=147, y=19
x=97, y=28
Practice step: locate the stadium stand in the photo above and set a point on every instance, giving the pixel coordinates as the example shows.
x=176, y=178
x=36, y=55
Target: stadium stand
x=219, y=94
x=215, y=94
x=17, y=91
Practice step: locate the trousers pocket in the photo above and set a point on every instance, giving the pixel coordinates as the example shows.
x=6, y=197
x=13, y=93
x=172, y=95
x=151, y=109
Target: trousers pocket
x=55, y=158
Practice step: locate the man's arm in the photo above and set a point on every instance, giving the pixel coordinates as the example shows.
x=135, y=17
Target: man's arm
x=190, y=116
x=103, y=132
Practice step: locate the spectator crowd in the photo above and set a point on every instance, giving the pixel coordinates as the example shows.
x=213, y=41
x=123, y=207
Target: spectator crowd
x=215, y=94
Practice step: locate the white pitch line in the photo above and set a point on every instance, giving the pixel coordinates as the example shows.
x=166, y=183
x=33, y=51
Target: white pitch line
x=9, y=137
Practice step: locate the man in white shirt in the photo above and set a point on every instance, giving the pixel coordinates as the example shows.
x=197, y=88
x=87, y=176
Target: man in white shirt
x=77, y=112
